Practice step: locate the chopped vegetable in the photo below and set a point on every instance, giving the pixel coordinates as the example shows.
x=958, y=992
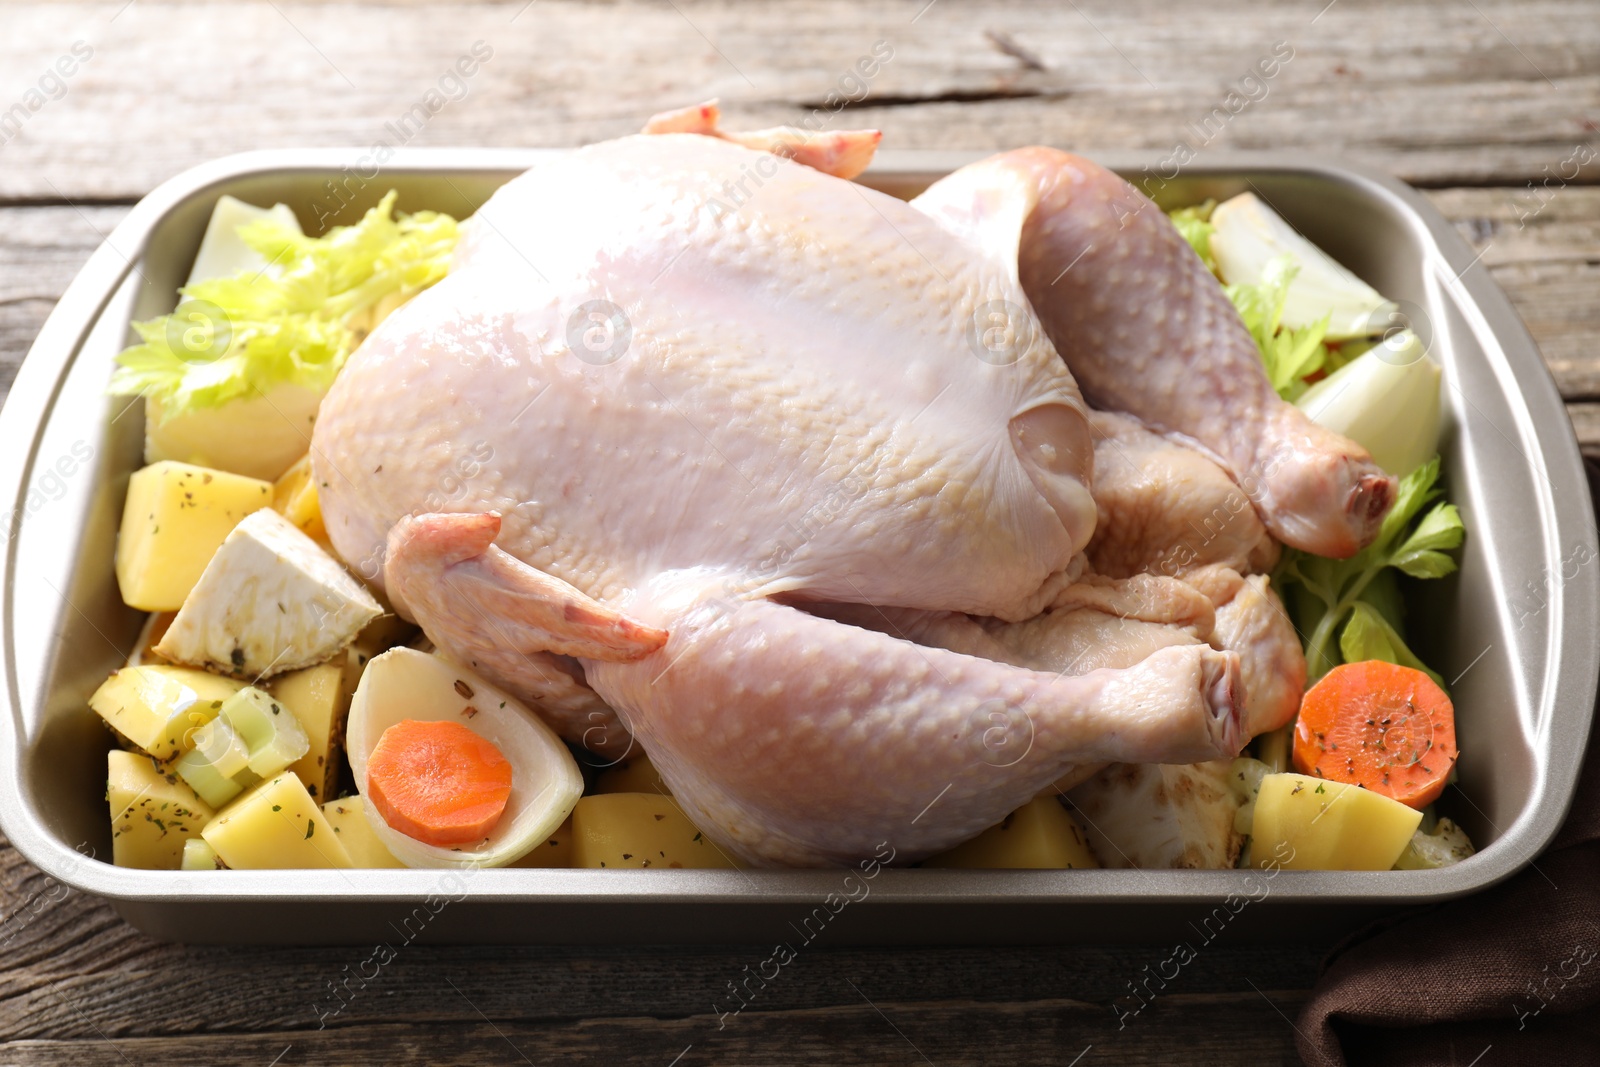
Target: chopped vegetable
x=438, y=782
x=1247, y=237
x=402, y=684
x=294, y=496
x=1244, y=779
x=1380, y=726
x=158, y=708
x=1386, y=400
x=1195, y=225
x=269, y=601
x=317, y=697
x=174, y=519
x=1323, y=593
x=223, y=253
x=1307, y=824
x=247, y=334
x=199, y=856
x=638, y=830
x=1160, y=815
x=252, y=737
x=1444, y=845
x=275, y=826
x=1040, y=835
x=152, y=813
x=1289, y=354
x=348, y=818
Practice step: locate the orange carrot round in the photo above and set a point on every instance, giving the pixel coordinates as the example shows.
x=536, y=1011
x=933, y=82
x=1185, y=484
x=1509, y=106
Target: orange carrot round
x=438, y=782
x=1384, y=727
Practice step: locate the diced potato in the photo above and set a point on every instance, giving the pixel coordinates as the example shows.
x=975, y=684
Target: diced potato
x=257, y=436
x=269, y=601
x=556, y=852
x=348, y=817
x=320, y=702
x=1040, y=835
x=275, y=826
x=199, y=856
x=157, y=708
x=152, y=813
x=635, y=774
x=175, y=518
x=294, y=496
x=638, y=830
x=1308, y=824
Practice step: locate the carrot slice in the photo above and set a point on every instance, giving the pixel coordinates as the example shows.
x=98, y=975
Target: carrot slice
x=1384, y=727
x=438, y=782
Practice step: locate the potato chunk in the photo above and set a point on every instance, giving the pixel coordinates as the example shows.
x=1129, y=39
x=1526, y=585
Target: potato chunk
x=348, y=817
x=269, y=601
x=152, y=813
x=1040, y=835
x=319, y=701
x=294, y=496
x=175, y=518
x=1308, y=824
x=158, y=708
x=275, y=826
x=638, y=830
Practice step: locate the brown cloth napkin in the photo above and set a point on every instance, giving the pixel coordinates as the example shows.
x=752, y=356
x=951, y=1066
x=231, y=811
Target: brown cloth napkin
x=1508, y=976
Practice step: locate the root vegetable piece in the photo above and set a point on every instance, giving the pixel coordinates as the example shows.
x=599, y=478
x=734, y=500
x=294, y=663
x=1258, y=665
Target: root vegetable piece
x=349, y=819
x=158, y=708
x=1040, y=835
x=438, y=782
x=153, y=814
x=1381, y=726
x=275, y=826
x=175, y=517
x=269, y=601
x=1308, y=824
x=639, y=830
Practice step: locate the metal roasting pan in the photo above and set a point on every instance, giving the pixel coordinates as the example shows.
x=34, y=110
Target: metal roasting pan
x=1515, y=632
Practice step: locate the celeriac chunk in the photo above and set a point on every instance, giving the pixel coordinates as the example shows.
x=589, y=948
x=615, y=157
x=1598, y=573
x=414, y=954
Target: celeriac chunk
x=175, y=517
x=158, y=708
x=270, y=601
x=152, y=813
x=275, y=826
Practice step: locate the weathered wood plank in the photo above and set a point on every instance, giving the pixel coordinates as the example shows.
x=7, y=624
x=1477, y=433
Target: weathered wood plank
x=1438, y=93
x=78, y=978
x=1198, y=1031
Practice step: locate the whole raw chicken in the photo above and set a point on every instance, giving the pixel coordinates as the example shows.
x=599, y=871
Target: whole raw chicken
x=676, y=391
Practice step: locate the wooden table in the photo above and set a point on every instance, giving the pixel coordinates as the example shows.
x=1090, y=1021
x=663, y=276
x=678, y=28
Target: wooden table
x=1489, y=105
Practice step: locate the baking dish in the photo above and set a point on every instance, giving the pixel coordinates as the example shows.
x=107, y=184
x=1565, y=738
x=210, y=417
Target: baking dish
x=1514, y=632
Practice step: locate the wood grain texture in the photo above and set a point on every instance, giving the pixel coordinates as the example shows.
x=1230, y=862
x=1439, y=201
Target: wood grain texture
x=1438, y=93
